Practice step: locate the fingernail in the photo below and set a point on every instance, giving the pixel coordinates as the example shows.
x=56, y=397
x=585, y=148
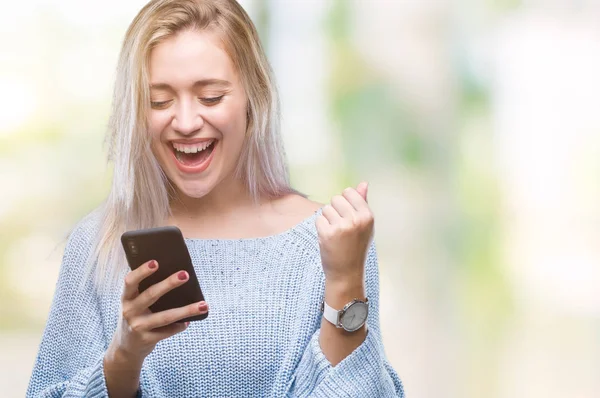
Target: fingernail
x=187, y=324
x=182, y=275
x=153, y=264
x=202, y=306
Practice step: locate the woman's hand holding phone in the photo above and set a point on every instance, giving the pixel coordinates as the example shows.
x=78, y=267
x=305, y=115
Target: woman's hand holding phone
x=139, y=329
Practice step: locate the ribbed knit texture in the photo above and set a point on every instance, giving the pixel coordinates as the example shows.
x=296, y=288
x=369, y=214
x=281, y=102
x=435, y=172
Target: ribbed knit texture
x=261, y=338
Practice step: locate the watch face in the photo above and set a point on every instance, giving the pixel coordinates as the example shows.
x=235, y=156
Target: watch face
x=355, y=316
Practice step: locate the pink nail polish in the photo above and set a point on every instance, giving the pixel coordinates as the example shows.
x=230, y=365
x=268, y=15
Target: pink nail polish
x=153, y=264
x=182, y=275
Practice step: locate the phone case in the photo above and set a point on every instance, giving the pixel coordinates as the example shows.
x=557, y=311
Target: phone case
x=167, y=246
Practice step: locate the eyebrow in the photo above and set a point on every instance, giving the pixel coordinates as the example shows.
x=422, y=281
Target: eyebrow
x=197, y=84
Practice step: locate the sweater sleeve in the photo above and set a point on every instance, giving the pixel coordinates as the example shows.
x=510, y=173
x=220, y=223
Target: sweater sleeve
x=69, y=362
x=364, y=373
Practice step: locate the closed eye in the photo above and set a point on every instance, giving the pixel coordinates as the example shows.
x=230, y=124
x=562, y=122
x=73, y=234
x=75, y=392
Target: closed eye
x=159, y=104
x=213, y=100
x=207, y=101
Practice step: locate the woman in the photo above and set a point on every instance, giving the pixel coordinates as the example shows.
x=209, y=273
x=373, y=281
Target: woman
x=195, y=142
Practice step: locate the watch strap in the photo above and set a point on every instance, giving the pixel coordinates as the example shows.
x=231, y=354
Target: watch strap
x=331, y=314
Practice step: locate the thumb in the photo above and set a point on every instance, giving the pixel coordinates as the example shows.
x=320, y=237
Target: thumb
x=362, y=189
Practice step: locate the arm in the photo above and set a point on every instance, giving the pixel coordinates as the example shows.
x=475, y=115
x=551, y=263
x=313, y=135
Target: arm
x=337, y=343
x=139, y=329
x=69, y=360
x=75, y=358
x=121, y=374
x=362, y=371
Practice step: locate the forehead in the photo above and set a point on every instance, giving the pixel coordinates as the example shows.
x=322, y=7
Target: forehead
x=189, y=56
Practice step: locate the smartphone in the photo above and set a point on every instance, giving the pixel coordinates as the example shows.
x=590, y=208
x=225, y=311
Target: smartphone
x=167, y=246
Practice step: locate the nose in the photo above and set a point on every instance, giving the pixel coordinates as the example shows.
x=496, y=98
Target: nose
x=187, y=118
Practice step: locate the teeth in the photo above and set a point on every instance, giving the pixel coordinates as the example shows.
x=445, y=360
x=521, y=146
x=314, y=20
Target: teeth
x=192, y=148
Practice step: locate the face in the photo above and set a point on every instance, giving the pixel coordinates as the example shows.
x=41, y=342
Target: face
x=197, y=116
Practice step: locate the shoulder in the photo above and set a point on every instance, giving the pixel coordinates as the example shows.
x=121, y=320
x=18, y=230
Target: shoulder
x=81, y=236
x=296, y=206
x=296, y=215
x=292, y=211
x=80, y=240
x=87, y=226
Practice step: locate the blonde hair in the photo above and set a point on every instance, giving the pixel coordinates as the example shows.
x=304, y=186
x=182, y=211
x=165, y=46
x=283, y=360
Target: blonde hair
x=140, y=193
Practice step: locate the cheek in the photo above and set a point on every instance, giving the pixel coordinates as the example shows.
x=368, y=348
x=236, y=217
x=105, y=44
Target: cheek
x=230, y=120
x=157, y=122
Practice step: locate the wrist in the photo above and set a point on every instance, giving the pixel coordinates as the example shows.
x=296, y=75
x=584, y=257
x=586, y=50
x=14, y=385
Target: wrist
x=122, y=373
x=121, y=360
x=340, y=292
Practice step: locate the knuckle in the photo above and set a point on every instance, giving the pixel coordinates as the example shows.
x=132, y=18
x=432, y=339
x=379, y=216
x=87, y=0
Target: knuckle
x=347, y=225
x=169, y=317
x=126, y=313
x=145, y=339
x=152, y=293
x=136, y=327
x=328, y=234
x=130, y=279
x=367, y=220
x=148, y=339
x=142, y=337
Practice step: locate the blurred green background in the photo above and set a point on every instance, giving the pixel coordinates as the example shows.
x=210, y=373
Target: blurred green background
x=476, y=123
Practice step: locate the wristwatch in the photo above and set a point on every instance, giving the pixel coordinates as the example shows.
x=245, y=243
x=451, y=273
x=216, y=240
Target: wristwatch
x=351, y=318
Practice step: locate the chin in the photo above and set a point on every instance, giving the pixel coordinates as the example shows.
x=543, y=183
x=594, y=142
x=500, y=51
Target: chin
x=194, y=189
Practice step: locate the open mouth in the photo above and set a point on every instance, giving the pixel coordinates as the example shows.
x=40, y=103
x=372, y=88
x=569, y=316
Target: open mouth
x=193, y=155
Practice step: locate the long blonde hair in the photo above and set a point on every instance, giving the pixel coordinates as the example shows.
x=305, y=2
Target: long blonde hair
x=140, y=193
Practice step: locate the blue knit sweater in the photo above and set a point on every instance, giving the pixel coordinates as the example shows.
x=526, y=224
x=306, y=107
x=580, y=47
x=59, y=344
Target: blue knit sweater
x=261, y=338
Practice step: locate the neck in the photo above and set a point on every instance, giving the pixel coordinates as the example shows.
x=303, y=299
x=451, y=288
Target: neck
x=225, y=199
